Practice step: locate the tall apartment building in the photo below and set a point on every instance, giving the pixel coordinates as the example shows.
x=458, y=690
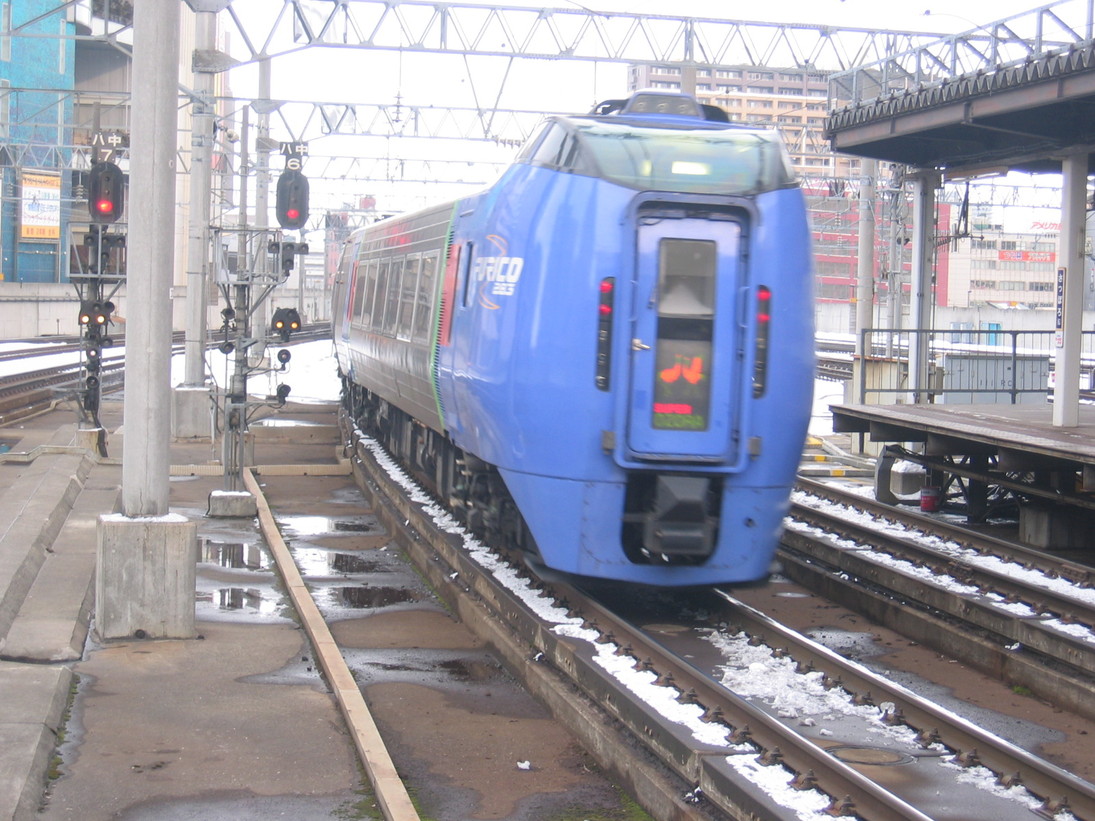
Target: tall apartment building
x=793, y=100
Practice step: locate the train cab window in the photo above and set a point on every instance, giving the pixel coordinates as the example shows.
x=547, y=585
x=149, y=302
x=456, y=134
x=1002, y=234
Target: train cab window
x=529, y=148
x=692, y=160
x=547, y=152
x=422, y=312
x=391, y=308
x=407, y=295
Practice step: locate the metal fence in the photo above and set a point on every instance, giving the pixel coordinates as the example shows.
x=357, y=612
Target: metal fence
x=965, y=366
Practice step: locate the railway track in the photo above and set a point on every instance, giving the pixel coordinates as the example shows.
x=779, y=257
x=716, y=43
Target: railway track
x=655, y=671
x=31, y=392
x=1020, y=614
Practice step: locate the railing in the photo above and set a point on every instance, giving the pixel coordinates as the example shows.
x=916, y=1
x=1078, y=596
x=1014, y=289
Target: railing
x=965, y=366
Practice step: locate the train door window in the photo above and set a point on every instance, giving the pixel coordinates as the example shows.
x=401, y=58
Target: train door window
x=426, y=288
x=407, y=295
x=376, y=313
x=686, y=314
x=391, y=309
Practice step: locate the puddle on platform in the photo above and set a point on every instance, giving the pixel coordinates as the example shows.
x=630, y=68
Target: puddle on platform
x=427, y=667
x=279, y=422
x=362, y=597
x=235, y=555
x=316, y=563
x=227, y=603
x=322, y=525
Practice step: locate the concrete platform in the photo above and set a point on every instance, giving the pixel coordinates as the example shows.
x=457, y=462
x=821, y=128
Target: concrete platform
x=237, y=722
x=989, y=451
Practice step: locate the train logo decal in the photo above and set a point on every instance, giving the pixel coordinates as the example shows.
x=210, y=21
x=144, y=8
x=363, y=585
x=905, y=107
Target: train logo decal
x=496, y=275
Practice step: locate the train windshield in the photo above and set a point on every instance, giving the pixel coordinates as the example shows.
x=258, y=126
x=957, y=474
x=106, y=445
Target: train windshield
x=687, y=160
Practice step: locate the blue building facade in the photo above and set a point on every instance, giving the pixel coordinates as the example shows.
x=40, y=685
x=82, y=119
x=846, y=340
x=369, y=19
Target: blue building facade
x=37, y=60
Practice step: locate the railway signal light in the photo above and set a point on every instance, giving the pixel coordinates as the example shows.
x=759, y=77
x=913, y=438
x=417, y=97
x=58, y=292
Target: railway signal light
x=285, y=322
x=106, y=192
x=95, y=316
x=292, y=199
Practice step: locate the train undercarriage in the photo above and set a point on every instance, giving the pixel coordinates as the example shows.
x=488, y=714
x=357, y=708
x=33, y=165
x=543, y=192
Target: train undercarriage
x=471, y=489
x=665, y=518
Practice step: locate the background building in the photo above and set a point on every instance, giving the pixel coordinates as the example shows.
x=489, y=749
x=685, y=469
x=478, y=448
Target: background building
x=37, y=70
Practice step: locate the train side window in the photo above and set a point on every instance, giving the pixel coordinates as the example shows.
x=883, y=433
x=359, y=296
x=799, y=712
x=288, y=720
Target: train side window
x=407, y=296
x=426, y=290
x=377, y=308
x=357, y=279
x=467, y=274
x=391, y=309
x=369, y=275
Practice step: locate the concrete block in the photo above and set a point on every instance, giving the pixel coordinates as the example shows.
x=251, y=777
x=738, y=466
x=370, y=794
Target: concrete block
x=229, y=504
x=145, y=577
x=1052, y=528
x=191, y=413
x=907, y=478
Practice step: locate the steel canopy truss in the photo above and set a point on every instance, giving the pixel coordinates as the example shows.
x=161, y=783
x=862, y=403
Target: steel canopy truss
x=577, y=34
x=1012, y=42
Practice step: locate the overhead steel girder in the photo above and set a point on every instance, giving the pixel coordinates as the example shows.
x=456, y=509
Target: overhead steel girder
x=577, y=34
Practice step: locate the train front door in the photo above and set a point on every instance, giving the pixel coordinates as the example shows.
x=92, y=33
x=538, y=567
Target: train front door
x=686, y=353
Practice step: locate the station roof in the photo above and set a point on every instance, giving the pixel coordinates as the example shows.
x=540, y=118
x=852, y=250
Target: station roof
x=1023, y=116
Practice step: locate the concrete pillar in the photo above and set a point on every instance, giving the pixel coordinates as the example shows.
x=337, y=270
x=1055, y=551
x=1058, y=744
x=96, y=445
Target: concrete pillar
x=1070, y=291
x=146, y=556
x=926, y=182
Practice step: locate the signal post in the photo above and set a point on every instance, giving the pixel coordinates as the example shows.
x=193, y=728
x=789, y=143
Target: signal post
x=243, y=294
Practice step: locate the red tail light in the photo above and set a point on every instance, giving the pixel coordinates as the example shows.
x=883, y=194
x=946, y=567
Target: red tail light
x=760, y=359
x=605, y=307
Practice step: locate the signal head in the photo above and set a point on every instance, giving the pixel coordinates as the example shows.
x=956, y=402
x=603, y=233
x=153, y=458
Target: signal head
x=106, y=192
x=292, y=199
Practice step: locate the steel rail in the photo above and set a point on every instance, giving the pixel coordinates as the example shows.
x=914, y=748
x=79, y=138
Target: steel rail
x=1049, y=782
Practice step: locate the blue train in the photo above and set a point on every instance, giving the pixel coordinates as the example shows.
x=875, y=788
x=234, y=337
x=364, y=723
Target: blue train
x=606, y=357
